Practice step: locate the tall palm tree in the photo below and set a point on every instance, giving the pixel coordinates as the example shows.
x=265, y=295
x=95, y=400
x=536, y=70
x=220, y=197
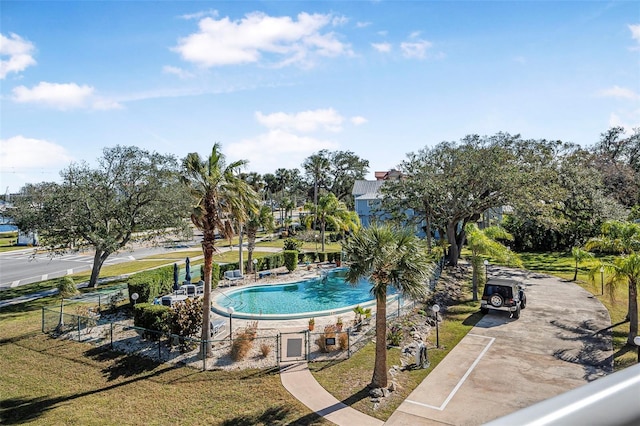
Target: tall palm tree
x=261, y=219
x=331, y=211
x=484, y=242
x=214, y=187
x=387, y=257
x=625, y=268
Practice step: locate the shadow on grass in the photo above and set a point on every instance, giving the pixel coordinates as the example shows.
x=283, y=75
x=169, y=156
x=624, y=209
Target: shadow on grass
x=473, y=319
x=21, y=410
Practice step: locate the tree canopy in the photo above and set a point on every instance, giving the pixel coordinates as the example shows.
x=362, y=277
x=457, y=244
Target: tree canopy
x=132, y=195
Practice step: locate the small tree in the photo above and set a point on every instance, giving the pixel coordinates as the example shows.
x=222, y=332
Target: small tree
x=66, y=288
x=579, y=255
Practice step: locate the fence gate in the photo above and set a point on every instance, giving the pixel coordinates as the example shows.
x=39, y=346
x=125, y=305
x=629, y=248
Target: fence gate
x=293, y=346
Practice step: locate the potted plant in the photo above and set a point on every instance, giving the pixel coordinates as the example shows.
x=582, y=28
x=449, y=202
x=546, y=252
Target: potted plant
x=312, y=323
x=339, y=324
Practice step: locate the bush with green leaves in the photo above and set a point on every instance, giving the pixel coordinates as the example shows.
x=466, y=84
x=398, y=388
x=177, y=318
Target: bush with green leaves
x=186, y=321
x=291, y=260
x=66, y=287
x=152, y=317
x=292, y=244
x=151, y=284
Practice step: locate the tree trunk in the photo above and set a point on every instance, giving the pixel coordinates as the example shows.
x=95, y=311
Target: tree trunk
x=633, y=311
x=379, y=379
x=207, y=249
x=475, y=262
x=453, y=244
x=98, y=260
x=251, y=244
x=240, y=259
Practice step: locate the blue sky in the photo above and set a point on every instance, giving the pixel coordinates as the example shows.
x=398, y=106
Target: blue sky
x=276, y=81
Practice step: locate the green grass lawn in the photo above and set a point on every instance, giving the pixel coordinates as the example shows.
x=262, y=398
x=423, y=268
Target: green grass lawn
x=48, y=381
x=347, y=380
x=615, y=300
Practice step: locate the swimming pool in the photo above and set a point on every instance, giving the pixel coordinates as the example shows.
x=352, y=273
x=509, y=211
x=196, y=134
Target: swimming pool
x=325, y=295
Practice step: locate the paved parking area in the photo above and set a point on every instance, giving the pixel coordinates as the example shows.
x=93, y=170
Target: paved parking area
x=504, y=365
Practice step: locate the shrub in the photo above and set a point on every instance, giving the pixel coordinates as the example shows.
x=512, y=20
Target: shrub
x=265, y=350
x=291, y=260
x=186, y=320
x=243, y=342
x=329, y=333
x=292, y=244
x=395, y=335
x=151, y=284
x=343, y=340
x=152, y=317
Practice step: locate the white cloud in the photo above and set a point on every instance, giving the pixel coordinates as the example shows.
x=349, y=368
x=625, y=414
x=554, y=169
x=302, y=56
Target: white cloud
x=305, y=121
x=635, y=33
x=62, y=96
x=27, y=160
x=277, y=148
x=619, y=92
x=357, y=121
x=382, y=47
x=258, y=37
x=182, y=74
x=19, y=52
x=417, y=49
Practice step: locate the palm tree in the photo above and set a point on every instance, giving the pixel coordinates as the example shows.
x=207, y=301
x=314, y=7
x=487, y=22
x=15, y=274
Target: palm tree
x=387, y=257
x=333, y=212
x=616, y=237
x=625, y=268
x=214, y=187
x=579, y=255
x=262, y=219
x=483, y=242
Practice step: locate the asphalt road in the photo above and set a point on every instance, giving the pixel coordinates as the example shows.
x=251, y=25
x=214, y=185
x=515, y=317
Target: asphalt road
x=24, y=267
x=504, y=365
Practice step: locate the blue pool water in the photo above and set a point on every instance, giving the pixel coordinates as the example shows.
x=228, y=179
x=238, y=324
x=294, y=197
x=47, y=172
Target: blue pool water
x=326, y=295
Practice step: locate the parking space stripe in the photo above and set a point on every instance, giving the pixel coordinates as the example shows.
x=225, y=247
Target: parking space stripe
x=462, y=380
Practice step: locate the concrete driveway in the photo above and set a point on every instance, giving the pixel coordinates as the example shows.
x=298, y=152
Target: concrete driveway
x=504, y=365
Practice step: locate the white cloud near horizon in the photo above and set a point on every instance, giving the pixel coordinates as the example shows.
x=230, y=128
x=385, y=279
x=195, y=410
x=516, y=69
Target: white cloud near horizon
x=305, y=121
x=275, y=149
x=619, y=93
x=19, y=52
x=63, y=96
x=283, y=40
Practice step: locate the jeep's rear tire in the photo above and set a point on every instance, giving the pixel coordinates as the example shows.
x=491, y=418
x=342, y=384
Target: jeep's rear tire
x=516, y=313
x=496, y=300
x=484, y=310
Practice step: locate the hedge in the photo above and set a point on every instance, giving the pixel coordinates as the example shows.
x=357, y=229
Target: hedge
x=152, y=317
x=151, y=284
x=291, y=259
